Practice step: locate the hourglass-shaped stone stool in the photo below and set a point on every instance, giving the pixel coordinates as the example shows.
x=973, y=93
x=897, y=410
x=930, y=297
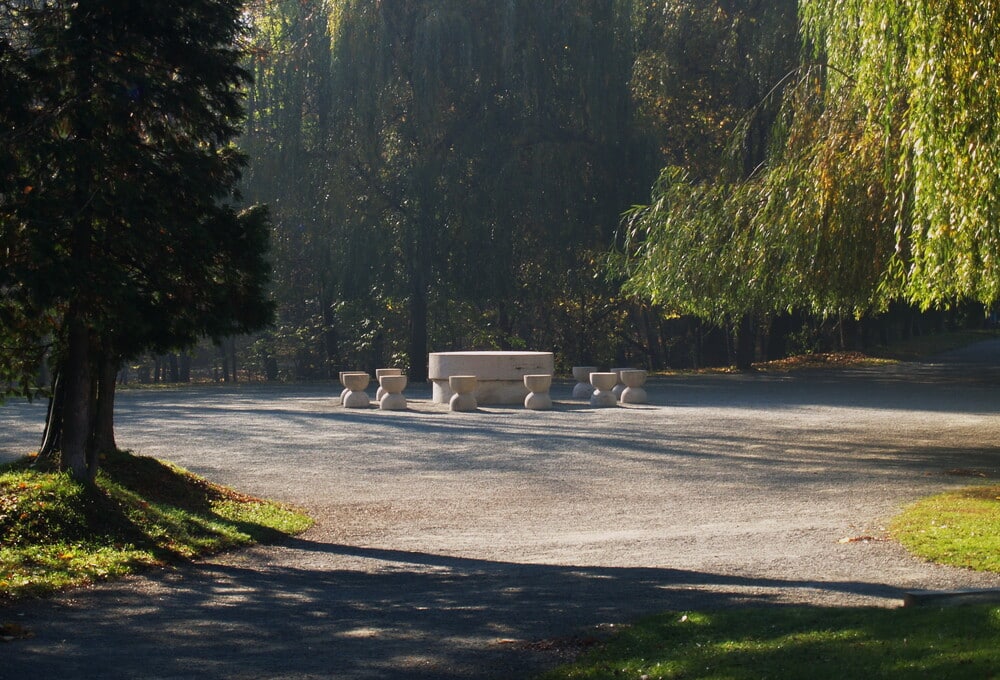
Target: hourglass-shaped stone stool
x=356, y=384
x=583, y=389
x=538, y=398
x=392, y=387
x=603, y=384
x=379, y=372
x=464, y=387
x=343, y=378
x=634, y=393
x=619, y=386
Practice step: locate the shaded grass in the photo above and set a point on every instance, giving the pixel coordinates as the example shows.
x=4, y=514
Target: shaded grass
x=56, y=533
x=814, y=643
x=960, y=528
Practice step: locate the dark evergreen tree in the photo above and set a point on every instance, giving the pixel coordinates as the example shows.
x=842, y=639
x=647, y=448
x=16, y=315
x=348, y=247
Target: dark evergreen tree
x=129, y=230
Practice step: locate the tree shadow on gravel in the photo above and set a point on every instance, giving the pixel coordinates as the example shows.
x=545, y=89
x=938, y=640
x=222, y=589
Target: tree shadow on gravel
x=354, y=612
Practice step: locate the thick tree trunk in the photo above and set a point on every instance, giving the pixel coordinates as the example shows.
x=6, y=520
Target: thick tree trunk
x=417, y=348
x=76, y=418
x=104, y=418
x=419, y=272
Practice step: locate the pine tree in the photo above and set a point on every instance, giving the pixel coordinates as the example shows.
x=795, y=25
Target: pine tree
x=130, y=228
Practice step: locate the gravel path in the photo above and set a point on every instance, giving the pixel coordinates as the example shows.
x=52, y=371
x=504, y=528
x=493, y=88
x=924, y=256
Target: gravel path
x=489, y=545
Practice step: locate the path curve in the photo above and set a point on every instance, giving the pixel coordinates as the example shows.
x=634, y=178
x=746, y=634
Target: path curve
x=463, y=545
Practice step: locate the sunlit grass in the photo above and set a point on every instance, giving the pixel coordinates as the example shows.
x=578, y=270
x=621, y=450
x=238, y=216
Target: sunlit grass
x=56, y=533
x=814, y=643
x=960, y=528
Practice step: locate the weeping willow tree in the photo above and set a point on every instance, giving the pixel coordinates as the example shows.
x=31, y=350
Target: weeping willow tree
x=881, y=181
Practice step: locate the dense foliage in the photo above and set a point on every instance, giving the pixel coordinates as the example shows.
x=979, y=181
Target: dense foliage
x=880, y=184
x=450, y=175
x=118, y=223
x=443, y=174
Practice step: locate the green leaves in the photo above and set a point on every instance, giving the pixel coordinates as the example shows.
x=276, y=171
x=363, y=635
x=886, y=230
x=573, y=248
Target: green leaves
x=930, y=67
x=882, y=180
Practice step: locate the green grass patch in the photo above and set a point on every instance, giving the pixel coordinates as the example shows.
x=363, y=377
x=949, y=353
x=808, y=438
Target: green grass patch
x=960, y=528
x=56, y=533
x=815, y=643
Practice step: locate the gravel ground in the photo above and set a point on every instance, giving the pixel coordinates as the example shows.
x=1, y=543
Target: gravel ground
x=496, y=543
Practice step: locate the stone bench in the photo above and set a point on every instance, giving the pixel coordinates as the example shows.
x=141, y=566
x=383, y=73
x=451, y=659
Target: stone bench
x=500, y=375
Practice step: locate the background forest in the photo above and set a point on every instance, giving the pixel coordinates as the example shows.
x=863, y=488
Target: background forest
x=451, y=175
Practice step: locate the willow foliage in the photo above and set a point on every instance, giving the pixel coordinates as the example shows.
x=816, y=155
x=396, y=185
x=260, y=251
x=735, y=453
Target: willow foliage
x=882, y=180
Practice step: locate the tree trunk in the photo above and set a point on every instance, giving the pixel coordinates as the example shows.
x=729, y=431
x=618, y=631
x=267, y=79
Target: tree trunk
x=104, y=417
x=417, y=349
x=76, y=421
x=745, y=343
x=52, y=436
x=172, y=368
x=231, y=348
x=185, y=368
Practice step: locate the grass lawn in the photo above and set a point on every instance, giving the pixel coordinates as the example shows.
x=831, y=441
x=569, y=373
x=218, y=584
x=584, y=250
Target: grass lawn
x=56, y=533
x=960, y=528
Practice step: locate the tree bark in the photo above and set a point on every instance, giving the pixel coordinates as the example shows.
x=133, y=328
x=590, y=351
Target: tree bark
x=104, y=417
x=745, y=342
x=417, y=349
x=76, y=422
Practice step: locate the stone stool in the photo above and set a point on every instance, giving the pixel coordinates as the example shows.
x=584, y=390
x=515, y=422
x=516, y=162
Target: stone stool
x=634, y=393
x=343, y=379
x=392, y=387
x=356, y=384
x=538, y=398
x=619, y=386
x=464, y=387
x=603, y=384
x=379, y=372
x=583, y=389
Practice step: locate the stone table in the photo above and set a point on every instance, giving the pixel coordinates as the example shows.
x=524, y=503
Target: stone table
x=500, y=374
